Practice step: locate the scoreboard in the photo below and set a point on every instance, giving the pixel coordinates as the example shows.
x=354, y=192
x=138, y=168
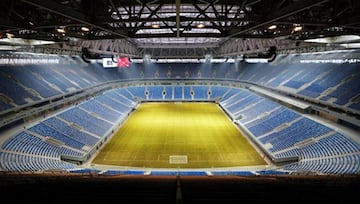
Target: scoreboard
x=120, y=62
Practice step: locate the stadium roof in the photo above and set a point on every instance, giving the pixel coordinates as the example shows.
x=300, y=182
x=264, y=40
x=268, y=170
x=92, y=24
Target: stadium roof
x=178, y=28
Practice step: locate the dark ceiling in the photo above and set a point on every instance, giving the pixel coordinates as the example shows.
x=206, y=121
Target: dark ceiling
x=179, y=21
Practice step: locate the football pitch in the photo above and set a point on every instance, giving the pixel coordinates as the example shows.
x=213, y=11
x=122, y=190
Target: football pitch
x=178, y=135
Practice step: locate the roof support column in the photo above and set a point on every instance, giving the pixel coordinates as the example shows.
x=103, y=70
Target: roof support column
x=177, y=18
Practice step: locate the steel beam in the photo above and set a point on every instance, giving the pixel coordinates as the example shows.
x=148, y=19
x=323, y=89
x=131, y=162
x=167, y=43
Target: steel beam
x=71, y=14
x=283, y=13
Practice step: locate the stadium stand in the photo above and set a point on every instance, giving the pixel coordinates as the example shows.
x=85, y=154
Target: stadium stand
x=279, y=132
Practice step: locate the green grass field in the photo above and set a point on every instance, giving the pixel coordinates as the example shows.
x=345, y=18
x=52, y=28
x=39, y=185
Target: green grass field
x=194, y=135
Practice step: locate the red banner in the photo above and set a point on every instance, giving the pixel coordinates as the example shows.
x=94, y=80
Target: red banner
x=123, y=62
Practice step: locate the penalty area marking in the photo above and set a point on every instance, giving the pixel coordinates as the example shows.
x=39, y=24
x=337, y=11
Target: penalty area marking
x=178, y=159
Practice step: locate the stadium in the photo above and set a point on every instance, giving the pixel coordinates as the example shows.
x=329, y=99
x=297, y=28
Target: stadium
x=192, y=101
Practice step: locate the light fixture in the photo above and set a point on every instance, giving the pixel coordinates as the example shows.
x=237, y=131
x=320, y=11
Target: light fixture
x=155, y=25
x=9, y=35
x=272, y=27
x=60, y=30
x=147, y=58
x=298, y=28
x=200, y=25
x=85, y=29
x=208, y=58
